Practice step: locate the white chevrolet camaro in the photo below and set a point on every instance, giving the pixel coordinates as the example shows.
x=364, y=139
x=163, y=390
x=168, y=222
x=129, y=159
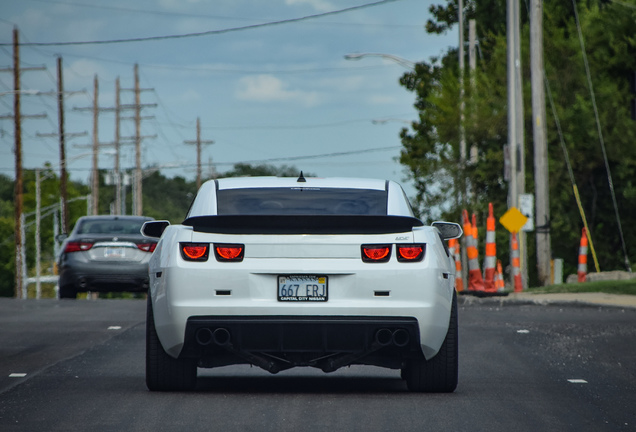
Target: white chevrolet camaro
x=287, y=272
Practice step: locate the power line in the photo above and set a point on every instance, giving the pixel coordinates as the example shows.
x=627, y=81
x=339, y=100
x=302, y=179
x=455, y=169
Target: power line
x=172, y=14
x=209, y=32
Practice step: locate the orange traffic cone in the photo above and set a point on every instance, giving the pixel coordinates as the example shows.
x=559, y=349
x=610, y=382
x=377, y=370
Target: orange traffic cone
x=490, y=262
x=475, y=232
x=516, y=264
x=454, y=246
x=475, y=281
x=582, y=268
x=500, y=285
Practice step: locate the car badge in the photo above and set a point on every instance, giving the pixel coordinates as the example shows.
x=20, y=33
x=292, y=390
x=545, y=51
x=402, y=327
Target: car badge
x=115, y=238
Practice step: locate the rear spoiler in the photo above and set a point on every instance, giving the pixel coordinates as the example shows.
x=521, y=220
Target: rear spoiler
x=305, y=224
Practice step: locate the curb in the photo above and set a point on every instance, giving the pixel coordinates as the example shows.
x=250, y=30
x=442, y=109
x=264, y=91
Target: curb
x=588, y=299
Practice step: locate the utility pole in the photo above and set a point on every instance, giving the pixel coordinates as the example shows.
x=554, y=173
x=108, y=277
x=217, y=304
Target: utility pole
x=60, y=116
x=95, y=146
x=138, y=173
x=512, y=110
x=462, y=137
x=520, y=140
x=18, y=190
x=472, y=65
x=62, y=135
x=95, y=176
x=198, y=143
x=539, y=133
x=38, y=246
x=18, y=164
x=116, y=143
x=137, y=106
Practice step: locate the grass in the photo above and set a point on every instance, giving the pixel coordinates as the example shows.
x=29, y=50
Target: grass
x=608, y=287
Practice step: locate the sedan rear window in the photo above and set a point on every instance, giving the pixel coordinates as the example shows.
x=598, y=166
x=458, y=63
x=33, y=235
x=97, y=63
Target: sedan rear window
x=107, y=226
x=301, y=201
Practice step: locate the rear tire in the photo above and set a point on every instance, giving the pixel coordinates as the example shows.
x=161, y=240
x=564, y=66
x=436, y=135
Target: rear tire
x=439, y=374
x=164, y=373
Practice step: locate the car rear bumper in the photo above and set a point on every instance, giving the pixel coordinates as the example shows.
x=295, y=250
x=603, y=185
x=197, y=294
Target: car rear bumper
x=278, y=343
x=105, y=277
x=424, y=296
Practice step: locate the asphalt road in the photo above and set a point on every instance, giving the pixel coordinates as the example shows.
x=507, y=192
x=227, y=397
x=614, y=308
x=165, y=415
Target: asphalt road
x=84, y=366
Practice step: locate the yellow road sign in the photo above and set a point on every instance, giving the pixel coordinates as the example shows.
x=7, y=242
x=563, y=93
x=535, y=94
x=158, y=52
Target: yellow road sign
x=513, y=220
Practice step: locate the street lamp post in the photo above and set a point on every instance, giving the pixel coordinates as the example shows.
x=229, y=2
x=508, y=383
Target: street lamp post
x=399, y=60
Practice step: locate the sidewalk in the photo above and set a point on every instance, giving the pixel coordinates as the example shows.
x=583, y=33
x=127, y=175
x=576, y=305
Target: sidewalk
x=600, y=299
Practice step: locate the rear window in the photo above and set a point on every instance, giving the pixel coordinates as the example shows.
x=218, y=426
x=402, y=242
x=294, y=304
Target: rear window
x=108, y=226
x=301, y=201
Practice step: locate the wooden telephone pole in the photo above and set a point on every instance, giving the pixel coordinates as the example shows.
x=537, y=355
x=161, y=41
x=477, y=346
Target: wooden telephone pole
x=539, y=133
x=20, y=264
x=138, y=138
x=18, y=165
x=198, y=143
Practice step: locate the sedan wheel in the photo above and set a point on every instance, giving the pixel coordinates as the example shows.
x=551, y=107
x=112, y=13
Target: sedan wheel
x=68, y=292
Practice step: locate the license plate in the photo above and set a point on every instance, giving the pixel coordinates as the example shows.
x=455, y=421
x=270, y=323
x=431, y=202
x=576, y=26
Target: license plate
x=114, y=252
x=302, y=288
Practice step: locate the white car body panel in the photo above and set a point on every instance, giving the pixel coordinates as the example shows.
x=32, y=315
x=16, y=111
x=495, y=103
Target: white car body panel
x=182, y=289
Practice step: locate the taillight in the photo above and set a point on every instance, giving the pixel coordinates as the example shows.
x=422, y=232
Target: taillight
x=147, y=247
x=194, y=251
x=229, y=252
x=410, y=252
x=77, y=246
x=376, y=253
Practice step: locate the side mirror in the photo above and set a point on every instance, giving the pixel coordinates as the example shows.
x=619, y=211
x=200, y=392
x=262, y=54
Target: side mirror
x=61, y=237
x=154, y=228
x=448, y=230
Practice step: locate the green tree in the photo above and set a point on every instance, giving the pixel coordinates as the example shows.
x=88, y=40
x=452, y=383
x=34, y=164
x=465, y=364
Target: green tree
x=248, y=170
x=431, y=148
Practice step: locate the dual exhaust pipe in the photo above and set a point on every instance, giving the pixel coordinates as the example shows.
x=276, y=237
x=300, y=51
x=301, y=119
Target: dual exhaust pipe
x=221, y=337
x=399, y=337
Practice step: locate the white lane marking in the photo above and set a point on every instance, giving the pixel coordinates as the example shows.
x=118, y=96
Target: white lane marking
x=114, y=328
x=523, y=331
x=17, y=375
x=577, y=381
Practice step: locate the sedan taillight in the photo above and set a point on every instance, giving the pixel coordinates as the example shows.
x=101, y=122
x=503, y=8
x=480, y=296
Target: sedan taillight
x=194, y=251
x=77, y=247
x=147, y=247
x=229, y=252
x=410, y=252
x=376, y=253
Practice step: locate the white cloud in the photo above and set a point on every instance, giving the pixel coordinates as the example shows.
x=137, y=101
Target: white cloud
x=268, y=88
x=319, y=5
x=343, y=84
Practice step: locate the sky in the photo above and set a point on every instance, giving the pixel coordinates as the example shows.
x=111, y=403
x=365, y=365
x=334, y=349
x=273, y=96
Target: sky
x=281, y=93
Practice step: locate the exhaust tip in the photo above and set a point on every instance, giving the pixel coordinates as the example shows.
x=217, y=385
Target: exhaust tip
x=401, y=337
x=383, y=336
x=221, y=336
x=204, y=336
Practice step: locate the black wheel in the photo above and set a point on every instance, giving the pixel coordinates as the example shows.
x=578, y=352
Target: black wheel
x=164, y=373
x=68, y=292
x=439, y=374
